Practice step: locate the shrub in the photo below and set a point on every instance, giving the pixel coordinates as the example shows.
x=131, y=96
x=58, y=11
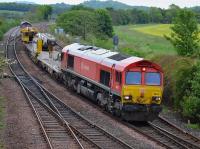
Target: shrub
x=191, y=103
x=191, y=108
x=182, y=83
x=176, y=70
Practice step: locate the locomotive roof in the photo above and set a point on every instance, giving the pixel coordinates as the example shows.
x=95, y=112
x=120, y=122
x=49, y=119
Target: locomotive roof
x=25, y=23
x=102, y=56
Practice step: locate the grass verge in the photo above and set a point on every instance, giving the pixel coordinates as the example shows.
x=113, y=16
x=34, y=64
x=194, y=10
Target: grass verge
x=193, y=126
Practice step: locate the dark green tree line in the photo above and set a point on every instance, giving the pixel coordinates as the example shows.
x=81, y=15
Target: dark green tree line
x=44, y=12
x=136, y=16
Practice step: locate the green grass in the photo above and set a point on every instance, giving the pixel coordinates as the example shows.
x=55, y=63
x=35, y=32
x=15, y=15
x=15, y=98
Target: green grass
x=164, y=109
x=194, y=126
x=132, y=39
x=137, y=40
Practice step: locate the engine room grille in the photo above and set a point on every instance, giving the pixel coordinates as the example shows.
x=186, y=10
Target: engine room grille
x=119, y=57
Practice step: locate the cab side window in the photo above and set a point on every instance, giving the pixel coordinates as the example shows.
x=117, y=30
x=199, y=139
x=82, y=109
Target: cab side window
x=118, y=77
x=70, y=61
x=105, y=77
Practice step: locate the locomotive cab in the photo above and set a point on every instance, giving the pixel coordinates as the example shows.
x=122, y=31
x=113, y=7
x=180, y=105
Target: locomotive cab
x=127, y=86
x=142, y=90
x=28, y=33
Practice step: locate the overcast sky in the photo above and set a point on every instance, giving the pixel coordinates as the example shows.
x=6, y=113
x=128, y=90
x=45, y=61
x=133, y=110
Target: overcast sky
x=157, y=3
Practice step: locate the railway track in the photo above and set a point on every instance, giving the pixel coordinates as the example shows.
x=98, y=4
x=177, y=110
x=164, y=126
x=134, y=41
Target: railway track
x=166, y=134
x=184, y=138
x=61, y=126
x=163, y=136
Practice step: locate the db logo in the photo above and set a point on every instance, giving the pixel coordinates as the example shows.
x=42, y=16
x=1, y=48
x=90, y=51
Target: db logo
x=85, y=67
x=142, y=93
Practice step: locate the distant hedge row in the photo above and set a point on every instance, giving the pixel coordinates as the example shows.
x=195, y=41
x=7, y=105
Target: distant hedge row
x=6, y=25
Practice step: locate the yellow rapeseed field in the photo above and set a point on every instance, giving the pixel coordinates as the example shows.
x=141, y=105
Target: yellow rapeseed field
x=154, y=29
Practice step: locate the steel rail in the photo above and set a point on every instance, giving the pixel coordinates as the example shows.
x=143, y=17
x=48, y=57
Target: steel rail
x=180, y=129
x=34, y=110
x=73, y=128
x=191, y=144
x=53, y=97
x=21, y=83
x=132, y=126
x=53, y=108
x=48, y=100
x=164, y=132
x=180, y=135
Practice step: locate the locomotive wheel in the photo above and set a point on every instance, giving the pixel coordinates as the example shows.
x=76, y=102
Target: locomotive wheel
x=78, y=90
x=98, y=99
x=117, y=112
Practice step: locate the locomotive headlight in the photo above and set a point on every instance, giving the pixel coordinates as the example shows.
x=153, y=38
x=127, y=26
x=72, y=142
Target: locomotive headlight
x=128, y=97
x=156, y=98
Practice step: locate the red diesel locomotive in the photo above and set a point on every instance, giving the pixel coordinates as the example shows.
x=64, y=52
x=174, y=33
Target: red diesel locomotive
x=126, y=86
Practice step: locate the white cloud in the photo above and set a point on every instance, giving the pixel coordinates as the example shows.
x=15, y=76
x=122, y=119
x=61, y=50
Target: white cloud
x=157, y=3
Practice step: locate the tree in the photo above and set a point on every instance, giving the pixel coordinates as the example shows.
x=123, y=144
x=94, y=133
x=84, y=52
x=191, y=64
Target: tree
x=185, y=33
x=44, y=11
x=81, y=7
x=77, y=22
x=155, y=15
x=189, y=83
x=171, y=13
x=104, y=22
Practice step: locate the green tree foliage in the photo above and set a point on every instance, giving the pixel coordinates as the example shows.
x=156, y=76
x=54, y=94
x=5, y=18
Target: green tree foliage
x=44, y=12
x=6, y=25
x=81, y=7
x=185, y=33
x=150, y=15
x=77, y=22
x=187, y=89
x=17, y=6
x=155, y=15
x=191, y=108
x=170, y=13
x=85, y=22
x=104, y=22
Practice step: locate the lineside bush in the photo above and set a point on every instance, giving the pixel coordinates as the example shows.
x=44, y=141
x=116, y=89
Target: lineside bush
x=191, y=96
x=181, y=84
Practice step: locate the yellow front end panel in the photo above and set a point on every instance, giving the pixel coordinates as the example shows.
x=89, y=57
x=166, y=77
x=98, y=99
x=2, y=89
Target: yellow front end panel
x=39, y=46
x=141, y=94
x=25, y=38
